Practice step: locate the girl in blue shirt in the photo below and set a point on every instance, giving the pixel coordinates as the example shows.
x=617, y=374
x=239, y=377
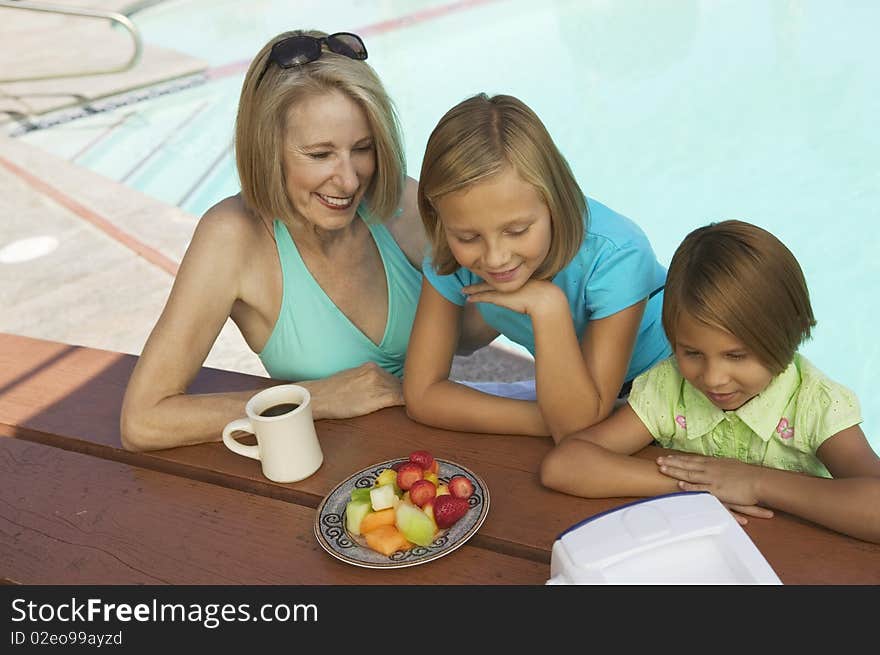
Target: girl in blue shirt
x=561, y=274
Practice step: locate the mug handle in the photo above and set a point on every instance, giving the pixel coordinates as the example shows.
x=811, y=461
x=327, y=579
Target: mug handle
x=243, y=424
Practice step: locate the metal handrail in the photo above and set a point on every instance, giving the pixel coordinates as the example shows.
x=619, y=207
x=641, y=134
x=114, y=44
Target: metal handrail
x=87, y=13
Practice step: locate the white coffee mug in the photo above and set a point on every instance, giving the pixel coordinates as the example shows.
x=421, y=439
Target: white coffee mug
x=287, y=444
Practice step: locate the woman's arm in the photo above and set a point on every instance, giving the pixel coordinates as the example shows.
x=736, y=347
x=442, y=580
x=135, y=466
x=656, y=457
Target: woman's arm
x=849, y=502
x=597, y=462
x=433, y=399
x=407, y=228
x=156, y=410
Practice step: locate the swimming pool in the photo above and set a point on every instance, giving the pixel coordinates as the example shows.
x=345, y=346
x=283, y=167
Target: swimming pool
x=674, y=113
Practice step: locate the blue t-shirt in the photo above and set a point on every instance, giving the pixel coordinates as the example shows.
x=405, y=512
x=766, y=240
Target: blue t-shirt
x=614, y=268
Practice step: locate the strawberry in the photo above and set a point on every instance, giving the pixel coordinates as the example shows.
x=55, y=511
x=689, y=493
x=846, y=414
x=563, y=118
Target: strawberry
x=421, y=492
x=423, y=458
x=448, y=509
x=460, y=487
x=407, y=474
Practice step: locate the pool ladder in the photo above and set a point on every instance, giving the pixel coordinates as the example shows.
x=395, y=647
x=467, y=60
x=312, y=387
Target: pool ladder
x=83, y=12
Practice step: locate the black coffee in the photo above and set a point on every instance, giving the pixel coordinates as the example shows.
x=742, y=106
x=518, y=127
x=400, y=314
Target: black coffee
x=278, y=410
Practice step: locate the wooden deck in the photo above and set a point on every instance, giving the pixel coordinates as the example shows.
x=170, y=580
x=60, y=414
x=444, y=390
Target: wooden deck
x=78, y=509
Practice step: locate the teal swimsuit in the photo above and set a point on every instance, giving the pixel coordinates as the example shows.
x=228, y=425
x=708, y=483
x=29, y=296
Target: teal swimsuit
x=313, y=339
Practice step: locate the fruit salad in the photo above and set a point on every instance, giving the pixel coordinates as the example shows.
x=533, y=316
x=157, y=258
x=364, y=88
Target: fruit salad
x=407, y=505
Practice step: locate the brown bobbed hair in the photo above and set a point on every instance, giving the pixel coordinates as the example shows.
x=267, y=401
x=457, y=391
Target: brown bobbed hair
x=740, y=278
x=261, y=124
x=480, y=137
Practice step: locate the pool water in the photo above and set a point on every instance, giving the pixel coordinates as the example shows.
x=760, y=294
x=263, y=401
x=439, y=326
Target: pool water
x=675, y=113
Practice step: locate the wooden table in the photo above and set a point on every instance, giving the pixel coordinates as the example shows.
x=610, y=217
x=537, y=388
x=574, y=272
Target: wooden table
x=78, y=509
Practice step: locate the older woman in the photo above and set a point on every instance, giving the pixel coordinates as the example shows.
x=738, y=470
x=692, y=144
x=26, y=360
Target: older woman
x=316, y=260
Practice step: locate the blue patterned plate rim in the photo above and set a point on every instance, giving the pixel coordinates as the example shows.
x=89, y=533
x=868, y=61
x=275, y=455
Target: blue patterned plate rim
x=334, y=538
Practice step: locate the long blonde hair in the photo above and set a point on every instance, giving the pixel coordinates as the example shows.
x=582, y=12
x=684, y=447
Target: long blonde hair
x=262, y=121
x=476, y=139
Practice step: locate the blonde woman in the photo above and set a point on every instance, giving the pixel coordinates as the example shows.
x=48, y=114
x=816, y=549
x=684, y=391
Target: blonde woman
x=561, y=274
x=316, y=260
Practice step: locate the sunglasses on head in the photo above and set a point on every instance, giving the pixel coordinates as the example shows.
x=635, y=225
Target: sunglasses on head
x=302, y=49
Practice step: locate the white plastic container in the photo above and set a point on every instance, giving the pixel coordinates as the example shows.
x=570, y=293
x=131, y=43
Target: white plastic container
x=679, y=538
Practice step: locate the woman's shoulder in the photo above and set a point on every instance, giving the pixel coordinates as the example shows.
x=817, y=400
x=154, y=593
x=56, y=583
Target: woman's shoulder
x=406, y=226
x=228, y=223
x=227, y=232
x=228, y=214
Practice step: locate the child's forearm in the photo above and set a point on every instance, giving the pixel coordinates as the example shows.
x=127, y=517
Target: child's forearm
x=568, y=397
x=454, y=406
x=848, y=505
x=582, y=468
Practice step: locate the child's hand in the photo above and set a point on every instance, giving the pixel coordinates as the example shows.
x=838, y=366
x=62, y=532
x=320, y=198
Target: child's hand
x=734, y=483
x=739, y=512
x=530, y=298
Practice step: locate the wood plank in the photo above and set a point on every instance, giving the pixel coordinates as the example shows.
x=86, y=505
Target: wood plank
x=70, y=398
x=69, y=518
x=76, y=391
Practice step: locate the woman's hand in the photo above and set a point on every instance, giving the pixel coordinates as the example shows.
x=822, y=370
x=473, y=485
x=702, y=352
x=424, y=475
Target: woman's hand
x=734, y=483
x=529, y=299
x=354, y=392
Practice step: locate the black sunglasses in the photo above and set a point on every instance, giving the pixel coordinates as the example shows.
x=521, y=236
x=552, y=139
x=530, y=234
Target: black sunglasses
x=302, y=49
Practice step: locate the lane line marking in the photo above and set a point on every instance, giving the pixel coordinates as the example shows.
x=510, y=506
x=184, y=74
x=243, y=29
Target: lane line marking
x=153, y=255
x=383, y=27
x=61, y=198
x=168, y=137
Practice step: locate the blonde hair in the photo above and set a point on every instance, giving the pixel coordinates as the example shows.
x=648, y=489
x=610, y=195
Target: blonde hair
x=742, y=279
x=261, y=124
x=478, y=138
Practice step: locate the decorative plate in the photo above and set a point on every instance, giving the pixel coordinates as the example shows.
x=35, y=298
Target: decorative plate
x=336, y=540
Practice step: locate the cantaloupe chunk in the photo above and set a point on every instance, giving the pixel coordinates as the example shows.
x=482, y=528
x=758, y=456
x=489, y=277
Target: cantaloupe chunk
x=387, y=539
x=374, y=520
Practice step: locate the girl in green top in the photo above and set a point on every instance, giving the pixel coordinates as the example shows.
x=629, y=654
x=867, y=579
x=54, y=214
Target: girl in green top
x=757, y=414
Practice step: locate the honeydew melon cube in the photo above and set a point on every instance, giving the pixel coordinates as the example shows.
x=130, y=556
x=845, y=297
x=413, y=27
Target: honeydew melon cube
x=355, y=511
x=414, y=524
x=360, y=493
x=382, y=497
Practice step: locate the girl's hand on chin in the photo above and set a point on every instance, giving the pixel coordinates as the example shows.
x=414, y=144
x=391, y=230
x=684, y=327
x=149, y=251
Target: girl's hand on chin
x=530, y=298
